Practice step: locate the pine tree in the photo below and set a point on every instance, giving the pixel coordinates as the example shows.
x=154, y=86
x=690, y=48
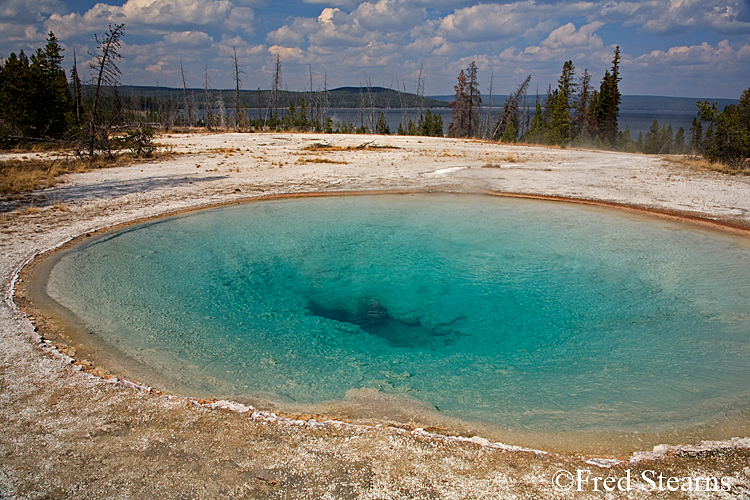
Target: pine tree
x=382, y=125
x=608, y=106
x=62, y=110
x=625, y=141
x=679, y=142
x=287, y=121
x=16, y=96
x=474, y=100
x=560, y=123
x=437, y=125
x=695, y=146
x=583, y=124
x=509, y=134
x=537, y=133
x=727, y=138
x=651, y=140
x=75, y=82
x=35, y=99
x=459, y=126
x=302, y=122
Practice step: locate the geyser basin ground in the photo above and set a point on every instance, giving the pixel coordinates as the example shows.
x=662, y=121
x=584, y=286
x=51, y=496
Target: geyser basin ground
x=531, y=316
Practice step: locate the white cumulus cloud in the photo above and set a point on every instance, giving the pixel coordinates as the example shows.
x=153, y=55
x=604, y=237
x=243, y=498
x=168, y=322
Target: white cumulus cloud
x=567, y=36
x=153, y=16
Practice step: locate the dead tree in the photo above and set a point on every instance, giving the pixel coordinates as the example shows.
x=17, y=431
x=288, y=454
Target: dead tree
x=510, y=109
x=222, y=112
x=487, y=121
x=208, y=114
x=237, y=83
x=275, y=91
x=186, y=98
x=76, y=88
x=312, y=105
x=420, y=90
x=104, y=63
x=324, y=103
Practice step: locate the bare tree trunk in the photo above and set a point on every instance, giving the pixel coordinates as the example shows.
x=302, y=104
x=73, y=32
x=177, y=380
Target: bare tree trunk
x=404, y=117
x=488, y=119
x=370, y=105
x=324, y=102
x=311, y=108
x=276, y=89
x=361, y=107
x=208, y=114
x=186, y=97
x=510, y=109
x=76, y=88
x=105, y=65
x=236, y=91
x=420, y=90
x=222, y=112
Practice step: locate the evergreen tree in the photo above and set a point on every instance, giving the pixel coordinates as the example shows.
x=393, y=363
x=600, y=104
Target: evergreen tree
x=608, y=106
x=425, y=125
x=474, y=100
x=382, y=125
x=583, y=124
x=695, y=146
x=549, y=105
x=52, y=106
x=16, y=96
x=679, y=142
x=287, y=121
x=727, y=138
x=560, y=128
x=509, y=134
x=639, y=142
x=302, y=121
x=35, y=99
x=466, y=107
x=459, y=125
x=625, y=141
x=651, y=142
x=411, y=129
x=537, y=133
x=437, y=125
x=667, y=138
x=75, y=82
x=560, y=122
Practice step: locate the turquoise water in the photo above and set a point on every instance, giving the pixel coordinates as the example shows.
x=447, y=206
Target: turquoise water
x=522, y=314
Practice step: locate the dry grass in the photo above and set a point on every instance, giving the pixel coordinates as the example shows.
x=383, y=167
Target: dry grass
x=504, y=161
x=367, y=146
x=704, y=165
x=18, y=176
x=227, y=151
x=24, y=175
x=303, y=159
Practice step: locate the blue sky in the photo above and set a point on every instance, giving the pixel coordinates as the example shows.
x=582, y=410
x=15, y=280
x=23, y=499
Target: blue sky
x=689, y=48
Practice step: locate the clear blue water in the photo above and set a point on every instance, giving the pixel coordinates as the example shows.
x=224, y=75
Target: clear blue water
x=521, y=314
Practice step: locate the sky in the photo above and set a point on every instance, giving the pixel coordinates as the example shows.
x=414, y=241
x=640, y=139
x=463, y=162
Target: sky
x=684, y=48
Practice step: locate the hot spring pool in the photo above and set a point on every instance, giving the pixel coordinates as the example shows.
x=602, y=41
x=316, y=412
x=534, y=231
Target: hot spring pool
x=528, y=315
